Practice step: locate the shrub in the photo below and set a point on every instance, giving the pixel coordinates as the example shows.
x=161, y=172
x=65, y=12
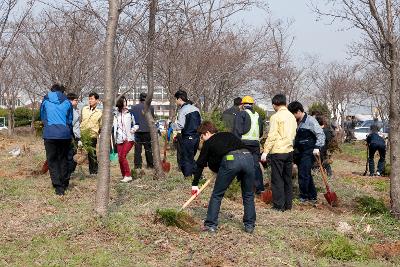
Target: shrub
x=387, y=169
x=370, y=205
x=341, y=248
x=234, y=190
x=172, y=217
x=260, y=112
x=216, y=118
x=320, y=108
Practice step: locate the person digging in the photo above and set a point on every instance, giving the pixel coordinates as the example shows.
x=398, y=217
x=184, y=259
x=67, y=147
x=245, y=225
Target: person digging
x=226, y=155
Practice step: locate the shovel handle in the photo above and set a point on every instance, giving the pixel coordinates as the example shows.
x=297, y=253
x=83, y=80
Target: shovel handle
x=195, y=195
x=323, y=173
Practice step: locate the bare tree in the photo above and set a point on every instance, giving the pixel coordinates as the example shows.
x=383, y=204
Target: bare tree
x=103, y=182
x=150, y=88
x=379, y=21
x=337, y=86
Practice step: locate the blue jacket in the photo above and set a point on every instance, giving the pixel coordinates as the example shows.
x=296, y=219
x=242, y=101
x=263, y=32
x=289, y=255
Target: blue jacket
x=56, y=114
x=375, y=139
x=188, y=120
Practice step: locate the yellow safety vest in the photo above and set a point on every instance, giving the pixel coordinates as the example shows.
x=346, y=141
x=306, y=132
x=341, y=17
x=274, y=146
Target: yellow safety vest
x=254, y=133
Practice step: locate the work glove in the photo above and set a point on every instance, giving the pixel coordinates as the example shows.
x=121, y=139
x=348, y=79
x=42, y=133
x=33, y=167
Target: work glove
x=80, y=144
x=195, y=190
x=264, y=157
x=316, y=152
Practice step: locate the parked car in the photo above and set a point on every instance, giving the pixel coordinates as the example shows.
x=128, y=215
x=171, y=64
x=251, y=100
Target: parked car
x=361, y=133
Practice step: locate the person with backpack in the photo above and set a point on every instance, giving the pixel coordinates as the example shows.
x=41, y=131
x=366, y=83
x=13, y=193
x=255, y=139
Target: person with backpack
x=124, y=136
x=376, y=143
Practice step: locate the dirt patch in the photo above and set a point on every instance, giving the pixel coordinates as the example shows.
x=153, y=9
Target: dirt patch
x=387, y=250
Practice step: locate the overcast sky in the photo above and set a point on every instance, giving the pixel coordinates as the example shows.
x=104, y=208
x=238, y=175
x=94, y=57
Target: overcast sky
x=311, y=36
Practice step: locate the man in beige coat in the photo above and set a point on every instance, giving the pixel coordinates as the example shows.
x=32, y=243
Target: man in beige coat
x=90, y=125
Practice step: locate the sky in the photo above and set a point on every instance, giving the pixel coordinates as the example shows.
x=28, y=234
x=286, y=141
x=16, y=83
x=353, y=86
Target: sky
x=312, y=37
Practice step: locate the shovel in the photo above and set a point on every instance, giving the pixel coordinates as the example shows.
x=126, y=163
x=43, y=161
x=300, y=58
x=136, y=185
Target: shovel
x=330, y=197
x=113, y=155
x=166, y=166
x=195, y=195
x=45, y=167
x=366, y=164
x=266, y=196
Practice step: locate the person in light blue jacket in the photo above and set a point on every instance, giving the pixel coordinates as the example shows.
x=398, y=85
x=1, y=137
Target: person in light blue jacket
x=56, y=114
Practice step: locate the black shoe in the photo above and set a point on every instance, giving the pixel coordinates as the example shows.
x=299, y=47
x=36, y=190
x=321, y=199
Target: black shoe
x=277, y=209
x=249, y=229
x=60, y=192
x=209, y=229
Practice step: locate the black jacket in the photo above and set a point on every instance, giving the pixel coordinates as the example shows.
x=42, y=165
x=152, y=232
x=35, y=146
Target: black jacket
x=242, y=125
x=214, y=149
x=137, y=112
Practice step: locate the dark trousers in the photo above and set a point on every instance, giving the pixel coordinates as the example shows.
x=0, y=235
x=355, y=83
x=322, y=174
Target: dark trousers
x=70, y=158
x=258, y=175
x=93, y=164
x=371, y=154
x=324, y=160
x=143, y=139
x=188, y=149
x=281, y=180
x=306, y=182
x=229, y=169
x=56, y=155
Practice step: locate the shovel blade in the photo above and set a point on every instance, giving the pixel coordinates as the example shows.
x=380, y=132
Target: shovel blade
x=45, y=167
x=166, y=166
x=331, y=198
x=266, y=196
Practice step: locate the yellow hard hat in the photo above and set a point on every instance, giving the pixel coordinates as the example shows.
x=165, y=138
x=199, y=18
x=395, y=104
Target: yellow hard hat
x=247, y=100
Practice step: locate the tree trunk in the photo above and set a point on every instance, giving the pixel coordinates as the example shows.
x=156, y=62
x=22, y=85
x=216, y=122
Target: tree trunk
x=150, y=89
x=103, y=182
x=394, y=135
x=11, y=121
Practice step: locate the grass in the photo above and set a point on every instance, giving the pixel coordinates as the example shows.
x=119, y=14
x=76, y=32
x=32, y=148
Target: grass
x=341, y=248
x=38, y=228
x=370, y=205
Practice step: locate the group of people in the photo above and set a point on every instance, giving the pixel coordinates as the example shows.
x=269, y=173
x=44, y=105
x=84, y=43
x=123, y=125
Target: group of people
x=64, y=126
x=294, y=137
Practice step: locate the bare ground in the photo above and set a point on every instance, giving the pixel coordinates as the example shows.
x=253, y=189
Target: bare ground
x=37, y=228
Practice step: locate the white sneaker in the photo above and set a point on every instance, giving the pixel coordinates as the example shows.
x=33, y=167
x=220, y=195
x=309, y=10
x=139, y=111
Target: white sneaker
x=126, y=179
x=378, y=174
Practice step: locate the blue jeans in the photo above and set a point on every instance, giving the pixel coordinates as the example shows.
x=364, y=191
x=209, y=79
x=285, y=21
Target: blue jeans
x=371, y=153
x=240, y=166
x=306, y=182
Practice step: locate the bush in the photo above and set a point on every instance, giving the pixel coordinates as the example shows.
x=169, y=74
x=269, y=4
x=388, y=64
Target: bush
x=260, y=112
x=341, y=248
x=387, y=169
x=172, y=217
x=319, y=108
x=370, y=205
x=234, y=190
x=216, y=118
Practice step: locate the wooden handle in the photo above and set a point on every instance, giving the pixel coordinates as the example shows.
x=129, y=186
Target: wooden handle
x=324, y=179
x=195, y=195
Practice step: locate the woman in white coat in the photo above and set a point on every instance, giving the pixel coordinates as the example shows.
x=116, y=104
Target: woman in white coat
x=124, y=134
